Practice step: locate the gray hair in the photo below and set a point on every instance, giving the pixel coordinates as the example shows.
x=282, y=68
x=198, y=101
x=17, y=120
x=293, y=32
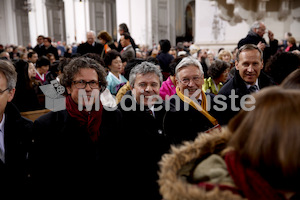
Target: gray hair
x=144, y=68
x=93, y=32
x=187, y=61
x=256, y=24
x=7, y=68
x=248, y=47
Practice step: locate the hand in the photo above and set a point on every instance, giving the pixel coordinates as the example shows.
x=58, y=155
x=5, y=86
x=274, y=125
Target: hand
x=271, y=35
x=261, y=45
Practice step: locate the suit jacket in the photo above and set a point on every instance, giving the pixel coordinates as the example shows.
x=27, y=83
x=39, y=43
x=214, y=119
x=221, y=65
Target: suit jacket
x=65, y=161
x=50, y=49
x=142, y=143
x=238, y=85
x=17, y=142
x=87, y=48
x=39, y=49
x=129, y=53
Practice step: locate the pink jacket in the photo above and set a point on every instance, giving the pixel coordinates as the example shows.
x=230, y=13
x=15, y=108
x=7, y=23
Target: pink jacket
x=167, y=88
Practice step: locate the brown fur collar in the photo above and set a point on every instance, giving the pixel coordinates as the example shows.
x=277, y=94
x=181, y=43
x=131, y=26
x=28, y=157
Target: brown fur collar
x=173, y=185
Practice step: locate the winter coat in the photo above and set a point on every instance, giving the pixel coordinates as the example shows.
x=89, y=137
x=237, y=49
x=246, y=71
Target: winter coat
x=177, y=167
x=65, y=160
x=238, y=85
x=14, y=173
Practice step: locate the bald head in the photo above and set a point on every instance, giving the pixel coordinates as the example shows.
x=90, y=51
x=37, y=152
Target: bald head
x=90, y=37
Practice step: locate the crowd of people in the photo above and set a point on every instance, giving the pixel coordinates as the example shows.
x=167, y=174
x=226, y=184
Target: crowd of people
x=167, y=123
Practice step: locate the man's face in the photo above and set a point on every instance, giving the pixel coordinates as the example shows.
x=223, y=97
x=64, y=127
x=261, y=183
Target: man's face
x=261, y=30
x=189, y=78
x=249, y=65
x=123, y=41
x=88, y=75
x=46, y=43
x=90, y=38
x=40, y=40
x=146, y=86
x=6, y=96
x=34, y=58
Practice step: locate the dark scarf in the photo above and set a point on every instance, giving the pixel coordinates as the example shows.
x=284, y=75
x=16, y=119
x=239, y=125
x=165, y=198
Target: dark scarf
x=251, y=184
x=91, y=121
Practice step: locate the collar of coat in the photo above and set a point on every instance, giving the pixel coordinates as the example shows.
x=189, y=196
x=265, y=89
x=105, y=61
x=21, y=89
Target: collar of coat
x=176, y=166
x=202, y=109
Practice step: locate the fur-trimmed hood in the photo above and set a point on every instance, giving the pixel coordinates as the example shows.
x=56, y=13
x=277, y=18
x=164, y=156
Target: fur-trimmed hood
x=175, y=167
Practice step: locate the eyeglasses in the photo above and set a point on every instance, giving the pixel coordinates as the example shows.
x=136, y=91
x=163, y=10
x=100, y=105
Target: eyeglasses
x=82, y=84
x=3, y=90
x=186, y=81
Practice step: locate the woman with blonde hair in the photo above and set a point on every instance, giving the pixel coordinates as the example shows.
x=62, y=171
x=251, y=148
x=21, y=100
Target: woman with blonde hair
x=226, y=56
x=291, y=42
x=256, y=157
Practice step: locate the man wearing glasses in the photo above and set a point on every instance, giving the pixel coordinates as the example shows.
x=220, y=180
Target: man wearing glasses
x=15, y=135
x=188, y=114
x=256, y=36
x=72, y=146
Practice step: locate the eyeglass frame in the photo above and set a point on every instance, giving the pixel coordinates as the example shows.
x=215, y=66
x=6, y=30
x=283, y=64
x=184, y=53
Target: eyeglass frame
x=1, y=92
x=87, y=82
x=189, y=80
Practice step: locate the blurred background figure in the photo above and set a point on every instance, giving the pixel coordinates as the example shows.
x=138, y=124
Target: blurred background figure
x=291, y=44
x=106, y=40
x=164, y=58
x=218, y=73
x=113, y=61
x=26, y=98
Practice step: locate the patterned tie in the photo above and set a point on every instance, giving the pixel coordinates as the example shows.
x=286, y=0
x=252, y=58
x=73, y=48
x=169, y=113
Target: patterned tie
x=150, y=112
x=253, y=88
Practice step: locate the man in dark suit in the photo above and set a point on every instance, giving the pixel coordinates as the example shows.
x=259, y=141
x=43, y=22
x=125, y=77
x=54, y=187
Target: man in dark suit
x=15, y=136
x=49, y=48
x=142, y=141
x=248, y=78
x=90, y=46
x=127, y=51
x=39, y=46
x=188, y=110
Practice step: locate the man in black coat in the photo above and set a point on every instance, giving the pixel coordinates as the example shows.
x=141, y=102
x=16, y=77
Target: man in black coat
x=255, y=36
x=248, y=78
x=142, y=140
x=72, y=151
x=90, y=46
x=188, y=110
x=39, y=46
x=49, y=48
x=15, y=137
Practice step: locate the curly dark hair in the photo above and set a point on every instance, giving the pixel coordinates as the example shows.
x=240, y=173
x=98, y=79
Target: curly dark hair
x=217, y=67
x=73, y=67
x=281, y=65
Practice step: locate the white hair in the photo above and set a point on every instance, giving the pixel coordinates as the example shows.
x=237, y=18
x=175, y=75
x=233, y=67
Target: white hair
x=187, y=61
